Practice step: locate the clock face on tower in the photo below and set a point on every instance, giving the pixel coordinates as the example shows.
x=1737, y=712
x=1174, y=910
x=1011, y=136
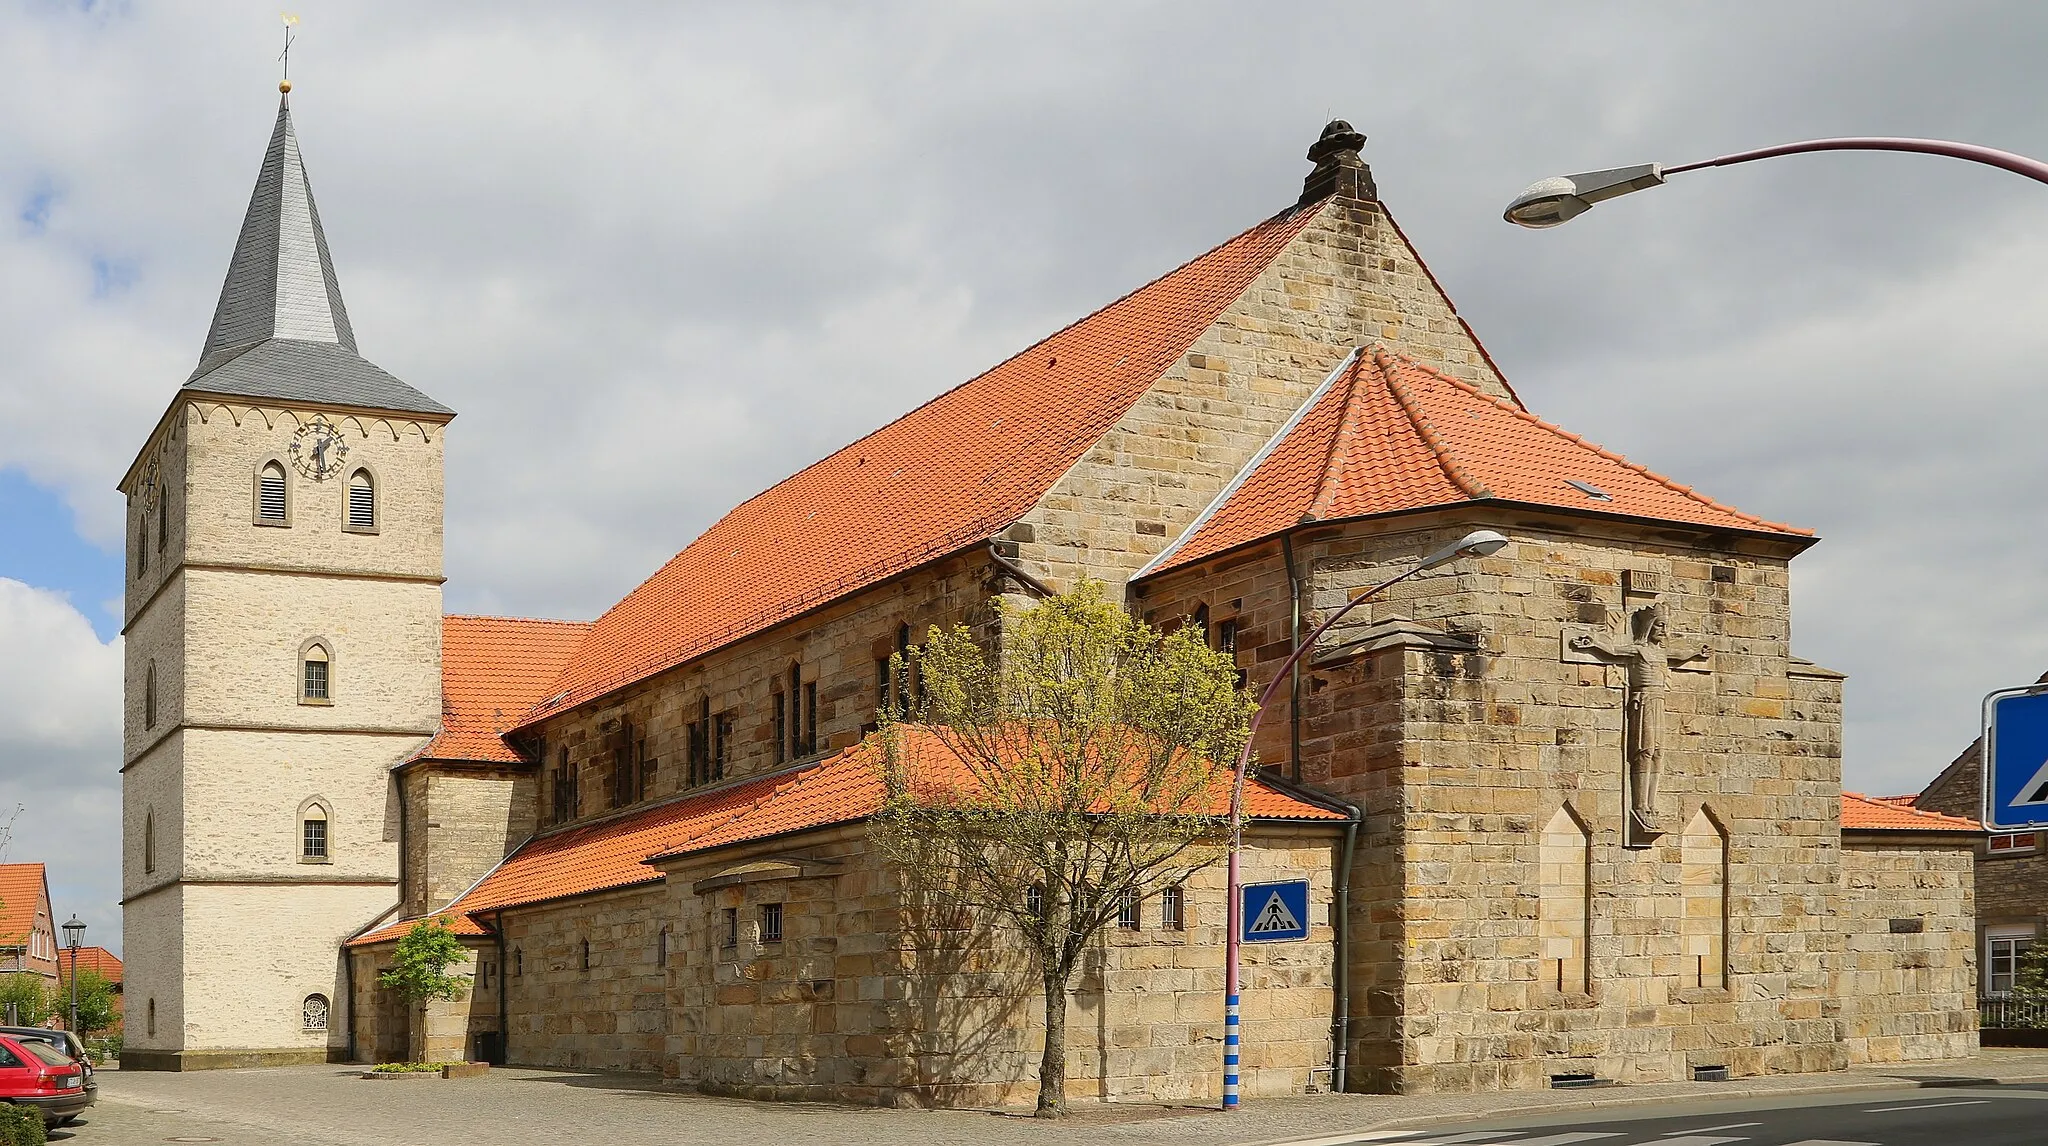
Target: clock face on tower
x=317, y=450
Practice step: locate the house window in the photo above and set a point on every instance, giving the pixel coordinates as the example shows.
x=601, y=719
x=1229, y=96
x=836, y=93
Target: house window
x=362, y=503
x=149, y=696
x=771, y=923
x=316, y=678
x=313, y=835
x=272, y=506
x=313, y=1013
x=1172, y=907
x=2011, y=843
x=2002, y=951
x=1127, y=910
x=1034, y=900
x=731, y=937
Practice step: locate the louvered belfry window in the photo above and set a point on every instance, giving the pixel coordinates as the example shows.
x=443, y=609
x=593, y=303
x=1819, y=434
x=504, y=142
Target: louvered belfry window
x=362, y=501
x=270, y=493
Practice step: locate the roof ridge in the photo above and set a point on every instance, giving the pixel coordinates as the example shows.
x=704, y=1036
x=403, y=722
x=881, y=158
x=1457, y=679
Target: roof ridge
x=1446, y=457
x=521, y=620
x=1595, y=447
x=1328, y=481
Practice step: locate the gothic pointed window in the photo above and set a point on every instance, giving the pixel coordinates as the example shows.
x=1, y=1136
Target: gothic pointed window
x=148, y=841
x=273, y=506
x=149, y=696
x=316, y=675
x=163, y=519
x=362, y=503
x=313, y=834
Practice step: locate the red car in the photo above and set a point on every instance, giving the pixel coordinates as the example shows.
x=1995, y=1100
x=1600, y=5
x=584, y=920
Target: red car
x=36, y=1074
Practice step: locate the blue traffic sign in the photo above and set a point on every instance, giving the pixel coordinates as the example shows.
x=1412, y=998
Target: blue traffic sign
x=1274, y=912
x=2016, y=759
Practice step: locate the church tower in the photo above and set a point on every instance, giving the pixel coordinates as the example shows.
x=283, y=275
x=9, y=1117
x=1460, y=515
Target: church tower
x=283, y=625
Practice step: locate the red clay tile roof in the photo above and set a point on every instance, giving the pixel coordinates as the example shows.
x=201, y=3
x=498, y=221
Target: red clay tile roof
x=1388, y=433
x=837, y=790
x=97, y=959
x=952, y=473
x=23, y=890
x=1861, y=811
x=1905, y=801
x=493, y=669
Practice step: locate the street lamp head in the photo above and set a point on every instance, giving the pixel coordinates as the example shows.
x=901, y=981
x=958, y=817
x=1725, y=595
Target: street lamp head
x=1559, y=199
x=74, y=931
x=1478, y=543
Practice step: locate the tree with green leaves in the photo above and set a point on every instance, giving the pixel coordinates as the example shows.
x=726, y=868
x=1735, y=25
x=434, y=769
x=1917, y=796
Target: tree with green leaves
x=27, y=997
x=419, y=971
x=2030, y=989
x=96, y=1000
x=1083, y=766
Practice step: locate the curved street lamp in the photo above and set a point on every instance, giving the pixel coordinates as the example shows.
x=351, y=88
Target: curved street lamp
x=1478, y=543
x=1559, y=199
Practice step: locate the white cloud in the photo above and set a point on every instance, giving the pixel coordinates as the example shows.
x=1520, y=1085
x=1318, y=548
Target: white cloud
x=60, y=752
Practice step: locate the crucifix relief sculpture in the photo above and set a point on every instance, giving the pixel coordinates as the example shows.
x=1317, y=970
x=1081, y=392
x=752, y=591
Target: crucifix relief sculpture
x=1644, y=652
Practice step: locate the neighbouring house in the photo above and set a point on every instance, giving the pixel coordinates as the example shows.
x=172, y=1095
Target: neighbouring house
x=2012, y=874
x=1572, y=809
x=28, y=931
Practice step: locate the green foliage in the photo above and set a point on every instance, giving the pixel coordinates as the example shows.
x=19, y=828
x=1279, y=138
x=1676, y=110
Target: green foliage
x=1098, y=757
x=22, y=1126
x=31, y=997
x=104, y=1048
x=2030, y=989
x=96, y=997
x=410, y=1067
x=420, y=962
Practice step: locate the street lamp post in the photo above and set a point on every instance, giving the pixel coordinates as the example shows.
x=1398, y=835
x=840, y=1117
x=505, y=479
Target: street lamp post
x=1478, y=543
x=74, y=931
x=1560, y=199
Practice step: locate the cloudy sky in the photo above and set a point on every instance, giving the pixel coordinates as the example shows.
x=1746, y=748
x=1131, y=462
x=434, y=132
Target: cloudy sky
x=661, y=255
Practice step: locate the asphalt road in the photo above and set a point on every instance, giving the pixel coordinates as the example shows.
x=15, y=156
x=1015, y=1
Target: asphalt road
x=1973, y=1116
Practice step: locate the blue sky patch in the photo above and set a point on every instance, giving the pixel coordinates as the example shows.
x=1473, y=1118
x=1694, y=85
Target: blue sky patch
x=41, y=546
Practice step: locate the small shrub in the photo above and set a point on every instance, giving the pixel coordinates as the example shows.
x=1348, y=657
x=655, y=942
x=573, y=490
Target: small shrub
x=21, y=1126
x=410, y=1067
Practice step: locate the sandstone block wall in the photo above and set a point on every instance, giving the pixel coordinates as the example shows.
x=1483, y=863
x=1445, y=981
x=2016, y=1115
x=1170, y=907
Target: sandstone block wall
x=585, y=986
x=1464, y=739
x=462, y=820
x=2012, y=886
x=1908, y=973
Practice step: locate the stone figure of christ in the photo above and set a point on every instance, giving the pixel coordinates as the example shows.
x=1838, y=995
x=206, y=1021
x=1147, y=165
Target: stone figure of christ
x=1644, y=653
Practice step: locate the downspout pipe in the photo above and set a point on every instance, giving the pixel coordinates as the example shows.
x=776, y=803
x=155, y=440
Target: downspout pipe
x=1003, y=562
x=1294, y=674
x=504, y=1023
x=1340, y=1027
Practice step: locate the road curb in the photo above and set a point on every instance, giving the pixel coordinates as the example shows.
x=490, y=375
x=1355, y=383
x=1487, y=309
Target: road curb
x=1612, y=1101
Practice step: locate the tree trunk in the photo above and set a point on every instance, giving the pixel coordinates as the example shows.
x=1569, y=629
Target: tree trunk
x=1052, y=1065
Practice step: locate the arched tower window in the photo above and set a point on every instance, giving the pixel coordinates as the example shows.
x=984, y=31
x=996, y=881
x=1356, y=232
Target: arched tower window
x=149, y=696
x=316, y=674
x=163, y=519
x=149, y=841
x=313, y=838
x=362, y=503
x=152, y=1016
x=141, y=547
x=273, y=495
x=313, y=1013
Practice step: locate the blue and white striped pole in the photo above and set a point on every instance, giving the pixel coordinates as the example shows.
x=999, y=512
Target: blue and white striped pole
x=1230, y=1052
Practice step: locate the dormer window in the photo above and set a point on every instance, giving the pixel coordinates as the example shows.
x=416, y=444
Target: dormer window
x=362, y=503
x=273, y=506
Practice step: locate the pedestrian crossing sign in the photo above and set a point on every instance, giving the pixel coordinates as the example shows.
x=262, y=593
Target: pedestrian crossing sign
x=2016, y=759
x=1275, y=912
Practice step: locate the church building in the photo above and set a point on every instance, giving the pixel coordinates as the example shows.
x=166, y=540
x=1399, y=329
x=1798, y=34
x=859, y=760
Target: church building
x=1571, y=810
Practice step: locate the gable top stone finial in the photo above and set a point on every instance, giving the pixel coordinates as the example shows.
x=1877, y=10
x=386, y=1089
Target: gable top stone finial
x=280, y=329
x=1339, y=170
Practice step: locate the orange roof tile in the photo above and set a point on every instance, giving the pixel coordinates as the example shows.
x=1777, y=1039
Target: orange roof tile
x=99, y=959
x=1387, y=433
x=952, y=473
x=1862, y=812
x=24, y=888
x=1905, y=801
x=840, y=789
x=493, y=669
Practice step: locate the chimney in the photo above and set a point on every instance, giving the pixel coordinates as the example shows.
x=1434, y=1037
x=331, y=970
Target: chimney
x=1339, y=170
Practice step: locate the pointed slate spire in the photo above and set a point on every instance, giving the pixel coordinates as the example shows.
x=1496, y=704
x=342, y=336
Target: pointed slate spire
x=281, y=283
x=280, y=329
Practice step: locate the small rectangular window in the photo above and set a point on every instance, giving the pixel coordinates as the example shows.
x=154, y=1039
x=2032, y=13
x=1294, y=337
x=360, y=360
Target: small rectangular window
x=316, y=839
x=1127, y=911
x=1172, y=908
x=316, y=680
x=731, y=938
x=2001, y=963
x=771, y=923
x=2011, y=843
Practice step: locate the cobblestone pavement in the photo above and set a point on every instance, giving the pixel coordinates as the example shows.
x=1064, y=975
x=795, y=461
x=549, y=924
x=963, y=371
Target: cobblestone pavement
x=333, y=1106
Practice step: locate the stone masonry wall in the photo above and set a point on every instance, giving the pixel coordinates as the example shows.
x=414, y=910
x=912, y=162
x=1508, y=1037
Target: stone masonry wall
x=462, y=820
x=586, y=986
x=1463, y=745
x=1907, y=995
x=2012, y=886
x=1347, y=279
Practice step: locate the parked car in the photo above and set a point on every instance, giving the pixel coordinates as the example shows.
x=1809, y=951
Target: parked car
x=68, y=1043
x=34, y=1073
